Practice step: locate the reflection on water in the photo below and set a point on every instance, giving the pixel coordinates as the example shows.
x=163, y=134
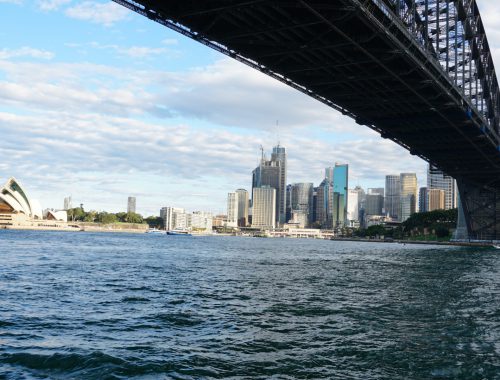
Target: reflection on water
x=96, y=306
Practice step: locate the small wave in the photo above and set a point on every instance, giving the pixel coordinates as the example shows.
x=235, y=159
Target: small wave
x=176, y=302
x=61, y=361
x=94, y=365
x=177, y=319
x=6, y=324
x=135, y=299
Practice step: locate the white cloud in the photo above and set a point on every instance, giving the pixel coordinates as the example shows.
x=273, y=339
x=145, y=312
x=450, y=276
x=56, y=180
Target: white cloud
x=84, y=126
x=100, y=13
x=170, y=41
x=51, y=5
x=131, y=51
x=25, y=52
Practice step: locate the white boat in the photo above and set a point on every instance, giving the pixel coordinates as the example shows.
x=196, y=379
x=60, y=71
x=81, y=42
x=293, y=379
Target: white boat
x=155, y=231
x=179, y=232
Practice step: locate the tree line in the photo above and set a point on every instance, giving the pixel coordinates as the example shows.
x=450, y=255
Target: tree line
x=437, y=223
x=78, y=214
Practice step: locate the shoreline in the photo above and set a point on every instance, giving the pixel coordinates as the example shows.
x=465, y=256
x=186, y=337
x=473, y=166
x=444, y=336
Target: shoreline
x=420, y=242
x=144, y=231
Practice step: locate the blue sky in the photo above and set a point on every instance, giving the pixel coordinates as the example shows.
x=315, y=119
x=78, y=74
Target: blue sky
x=99, y=103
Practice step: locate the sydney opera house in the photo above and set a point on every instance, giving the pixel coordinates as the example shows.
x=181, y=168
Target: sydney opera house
x=17, y=209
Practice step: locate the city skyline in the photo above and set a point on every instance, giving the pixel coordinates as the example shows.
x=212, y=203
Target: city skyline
x=80, y=116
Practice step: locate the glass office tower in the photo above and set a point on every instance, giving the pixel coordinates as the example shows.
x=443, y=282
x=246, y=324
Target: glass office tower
x=340, y=187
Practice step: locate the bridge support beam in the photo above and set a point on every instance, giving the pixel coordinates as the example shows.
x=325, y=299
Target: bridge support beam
x=478, y=212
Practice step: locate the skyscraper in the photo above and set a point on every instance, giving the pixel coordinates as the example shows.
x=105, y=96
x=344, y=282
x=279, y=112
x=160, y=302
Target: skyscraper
x=279, y=155
x=131, y=204
x=264, y=207
x=329, y=174
x=324, y=204
x=172, y=217
x=436, y=199
x=353, y=204
x=437, y=179
x=67, y=203
x=391, y=202
x=374, y=204
x=242, y=207
x=408, y=195
x=232, y=209
x=340, y=186
x=301, y=199
x=423, y=200
x=273, y=174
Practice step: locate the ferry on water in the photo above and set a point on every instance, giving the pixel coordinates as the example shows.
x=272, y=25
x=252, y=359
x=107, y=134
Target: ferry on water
x=179, y=232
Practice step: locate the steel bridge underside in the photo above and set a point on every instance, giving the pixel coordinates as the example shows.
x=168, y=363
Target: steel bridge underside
x=357, y=58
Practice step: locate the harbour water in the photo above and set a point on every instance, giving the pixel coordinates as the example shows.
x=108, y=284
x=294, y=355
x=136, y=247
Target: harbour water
x=120, y=306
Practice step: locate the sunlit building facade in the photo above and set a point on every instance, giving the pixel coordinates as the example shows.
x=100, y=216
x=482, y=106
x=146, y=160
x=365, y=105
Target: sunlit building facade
x=408, y=195
x=437, y=179
x=436, y=199
x=391, y=200
x=301, y=200
x=264, y=207
x=242, y=207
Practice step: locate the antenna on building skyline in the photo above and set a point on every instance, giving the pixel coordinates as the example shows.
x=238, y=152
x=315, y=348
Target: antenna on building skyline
x=278, y=131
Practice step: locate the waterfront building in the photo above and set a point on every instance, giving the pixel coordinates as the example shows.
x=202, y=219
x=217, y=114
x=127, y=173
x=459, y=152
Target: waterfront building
x=340, y=186
x=67, y=203
x=408, y=195
x=232, y=209
x=301, y=200
x=423, y=200
x=59, y=215
x=437, y=199
x=172, y=217
x=272, y=173
x=201, y=221
x=391, y=201
x=243, y=202
x=219, y=220
x=299, y=219
x=264, y=207
x=131, y=203
x=437, y=179
x=15, y=202
x=182, y=221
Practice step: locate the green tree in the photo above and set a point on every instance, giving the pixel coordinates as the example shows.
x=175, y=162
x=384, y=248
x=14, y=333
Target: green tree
x=154, y=222
x=76, y=214
x=132, y=217
x=90, y=216
x=122, y=216
x=106, y=218
x=375, y=230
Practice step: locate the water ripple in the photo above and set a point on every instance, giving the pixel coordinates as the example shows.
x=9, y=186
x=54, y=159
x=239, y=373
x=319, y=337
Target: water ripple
x=119, y=306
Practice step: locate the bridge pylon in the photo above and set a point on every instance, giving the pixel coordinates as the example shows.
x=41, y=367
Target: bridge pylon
x=479, y=212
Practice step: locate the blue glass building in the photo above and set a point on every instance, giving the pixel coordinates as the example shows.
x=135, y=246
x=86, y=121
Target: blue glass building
x=340, y=187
